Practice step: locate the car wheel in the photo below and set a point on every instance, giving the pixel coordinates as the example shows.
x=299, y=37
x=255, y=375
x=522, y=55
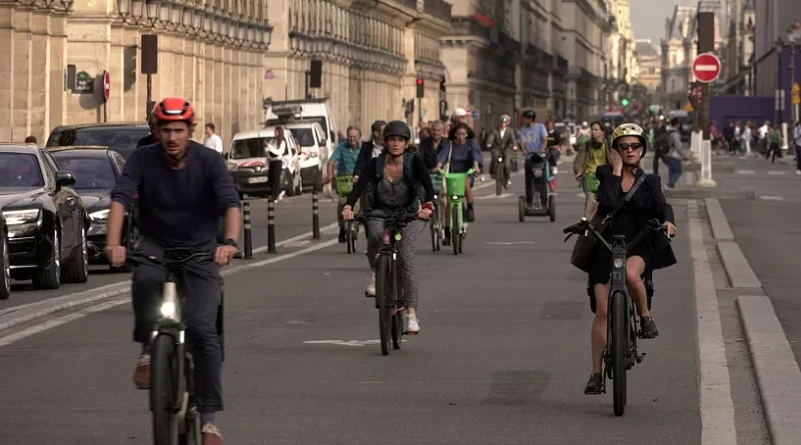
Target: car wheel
x=77, y=270
x=5, y=281
x=50, y=276
x=299, y=184
x=287, y=185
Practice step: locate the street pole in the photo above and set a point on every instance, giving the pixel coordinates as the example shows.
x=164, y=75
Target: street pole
x=779, y=81
x=308, y=81
x=150, y=103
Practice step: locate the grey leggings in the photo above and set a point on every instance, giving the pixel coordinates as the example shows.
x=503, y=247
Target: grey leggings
x=406, y=246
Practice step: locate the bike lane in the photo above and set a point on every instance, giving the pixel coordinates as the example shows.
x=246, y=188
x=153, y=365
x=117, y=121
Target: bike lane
x=502, y=357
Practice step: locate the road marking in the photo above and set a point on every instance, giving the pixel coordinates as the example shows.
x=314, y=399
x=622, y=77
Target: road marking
x=296, y=238
x=717, y=408
x=771, y=198
x=9, y=339
x=501, y=196
x=745, y=172
x=777, y=172
x=356, y=343
x=509, y=243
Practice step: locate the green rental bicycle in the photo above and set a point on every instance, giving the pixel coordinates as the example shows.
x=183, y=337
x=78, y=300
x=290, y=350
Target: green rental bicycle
x=456, y=183
x=344, y=185
x=437, y=230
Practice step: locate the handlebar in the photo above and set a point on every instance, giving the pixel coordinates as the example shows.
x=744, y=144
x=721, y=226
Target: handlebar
x=172, y=257
x=467, y=173
x=652, y=225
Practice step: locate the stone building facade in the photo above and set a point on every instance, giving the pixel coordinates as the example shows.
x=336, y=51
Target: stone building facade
x=225, y=56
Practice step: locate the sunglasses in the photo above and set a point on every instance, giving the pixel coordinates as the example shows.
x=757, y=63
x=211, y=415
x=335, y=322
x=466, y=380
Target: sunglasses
x=633, y=146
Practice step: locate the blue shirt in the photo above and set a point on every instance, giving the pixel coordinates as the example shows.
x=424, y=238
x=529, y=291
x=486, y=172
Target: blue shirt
x=462, y=157
x=533, y=137
x=178, y=208
x=345, y=158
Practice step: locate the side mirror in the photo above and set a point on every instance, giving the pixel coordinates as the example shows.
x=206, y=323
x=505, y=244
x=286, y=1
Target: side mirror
x=332, y=135
x=64, y=178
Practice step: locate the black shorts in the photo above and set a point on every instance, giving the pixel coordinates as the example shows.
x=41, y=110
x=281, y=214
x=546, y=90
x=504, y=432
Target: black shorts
x=602, y=266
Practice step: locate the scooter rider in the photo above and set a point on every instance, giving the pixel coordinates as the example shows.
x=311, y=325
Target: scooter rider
x=533, y=140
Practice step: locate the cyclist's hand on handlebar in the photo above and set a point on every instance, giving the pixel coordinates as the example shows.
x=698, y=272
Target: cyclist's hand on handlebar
x=671, y=229
x=116, y=255
x=224, y=255
x=347, y=213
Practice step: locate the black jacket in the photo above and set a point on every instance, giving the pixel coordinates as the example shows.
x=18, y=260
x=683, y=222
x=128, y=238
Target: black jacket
x=428, y=153
x=147, y=140
x=365, y=154
x=650, y=202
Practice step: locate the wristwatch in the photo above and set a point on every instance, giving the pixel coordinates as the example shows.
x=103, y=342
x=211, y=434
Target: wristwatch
x=230, y=242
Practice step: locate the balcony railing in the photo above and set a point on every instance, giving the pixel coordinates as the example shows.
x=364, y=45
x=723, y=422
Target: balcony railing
x=465, y=26
x=438, y=9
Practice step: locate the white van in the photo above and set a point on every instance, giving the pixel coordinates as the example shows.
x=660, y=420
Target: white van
x=248, y=166
x=314, y=151
x=318, y=110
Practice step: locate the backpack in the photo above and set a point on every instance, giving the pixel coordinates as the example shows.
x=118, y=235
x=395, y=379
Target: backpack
x=408, y=159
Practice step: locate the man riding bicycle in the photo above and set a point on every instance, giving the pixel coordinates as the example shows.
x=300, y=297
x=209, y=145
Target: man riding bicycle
x=502, y=142
x=342, y=162
x=395, y=179
x=183, y=190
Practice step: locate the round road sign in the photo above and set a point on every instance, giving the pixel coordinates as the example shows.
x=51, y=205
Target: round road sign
x=706, y=67
x=106, y=85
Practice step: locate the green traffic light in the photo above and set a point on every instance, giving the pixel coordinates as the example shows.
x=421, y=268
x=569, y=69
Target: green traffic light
x=625, y=102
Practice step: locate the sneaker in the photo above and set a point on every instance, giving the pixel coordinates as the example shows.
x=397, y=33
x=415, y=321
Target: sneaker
x=342, y=236
x=211, y=435
x=798, y=172
x=414, y=325
x=369, y=291
x=281, y=195
x=141, y=375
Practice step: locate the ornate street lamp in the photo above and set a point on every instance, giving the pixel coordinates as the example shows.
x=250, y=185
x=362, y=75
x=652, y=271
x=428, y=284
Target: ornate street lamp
x=176, y=14
x=67, y=4
x=188, y=19
x=267, y=35
x=165, y=13
x=153, y=11
x=124, y=9
x=137, y=7
x=215, y=24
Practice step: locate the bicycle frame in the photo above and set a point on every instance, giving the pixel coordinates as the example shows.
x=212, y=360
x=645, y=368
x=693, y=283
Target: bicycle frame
x=388, y=247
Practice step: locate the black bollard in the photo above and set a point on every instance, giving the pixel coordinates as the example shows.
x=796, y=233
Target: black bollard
x=315, y=216
x=248, y=237
x=271, y=226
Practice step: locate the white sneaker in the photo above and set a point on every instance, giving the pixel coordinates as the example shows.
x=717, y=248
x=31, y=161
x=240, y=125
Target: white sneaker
x=281, y=195
x=414, y=325
x=370, y=289
x=798, y=172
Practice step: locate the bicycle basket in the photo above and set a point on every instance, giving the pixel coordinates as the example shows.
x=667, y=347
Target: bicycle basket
x=456, y=183
x=591, y=182
x=344, y=184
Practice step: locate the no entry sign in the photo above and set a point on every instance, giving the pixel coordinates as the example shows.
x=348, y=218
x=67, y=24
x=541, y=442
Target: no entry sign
x=106, y=86
x=706, y=67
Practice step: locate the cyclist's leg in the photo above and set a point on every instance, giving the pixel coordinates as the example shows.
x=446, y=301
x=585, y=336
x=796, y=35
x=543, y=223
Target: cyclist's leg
x=375, y=228
x=599, y=282
x=468, y=194
x=341, y=220
x=507, y=162
x=495, y=152
x=407, y=274
x=146, y=290
x=635, y=267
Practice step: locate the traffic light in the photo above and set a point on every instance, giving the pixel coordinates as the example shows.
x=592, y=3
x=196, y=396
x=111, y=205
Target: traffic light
x=625, y=102
x=442, y=84
x=421, y=87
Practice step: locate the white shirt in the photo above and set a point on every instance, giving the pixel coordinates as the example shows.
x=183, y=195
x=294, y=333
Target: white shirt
x=214, y=142
x=275, y=152
x=377, y=149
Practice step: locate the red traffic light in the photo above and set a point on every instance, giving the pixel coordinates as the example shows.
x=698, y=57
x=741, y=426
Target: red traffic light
x=419, y=80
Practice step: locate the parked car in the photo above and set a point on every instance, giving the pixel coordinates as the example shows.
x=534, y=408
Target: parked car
x=47, y=222
x=247, y=163
x=5, y=264
x=121, y=137
x=96, y=171
x=315, y=150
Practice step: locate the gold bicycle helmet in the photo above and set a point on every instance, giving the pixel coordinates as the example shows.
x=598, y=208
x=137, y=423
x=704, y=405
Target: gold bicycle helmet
x=630, y=130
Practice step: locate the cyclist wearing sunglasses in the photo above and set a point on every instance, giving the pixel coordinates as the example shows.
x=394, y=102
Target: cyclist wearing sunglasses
x=629, y=218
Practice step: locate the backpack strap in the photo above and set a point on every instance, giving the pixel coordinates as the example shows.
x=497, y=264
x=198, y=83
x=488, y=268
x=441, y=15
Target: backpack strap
x=379, y=167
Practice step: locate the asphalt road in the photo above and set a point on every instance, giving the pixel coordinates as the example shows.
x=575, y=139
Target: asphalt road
x=768, y=231
x=502, y=357
x=293, y=218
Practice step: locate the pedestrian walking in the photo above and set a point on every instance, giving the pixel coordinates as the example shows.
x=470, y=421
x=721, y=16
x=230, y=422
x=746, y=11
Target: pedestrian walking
x=276, y=150
x=675, y=155
x=213, y=140
x=774, y=138
x=797, y=144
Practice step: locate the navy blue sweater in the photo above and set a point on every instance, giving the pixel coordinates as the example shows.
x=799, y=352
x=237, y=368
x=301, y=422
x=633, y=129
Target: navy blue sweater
x=177, y=208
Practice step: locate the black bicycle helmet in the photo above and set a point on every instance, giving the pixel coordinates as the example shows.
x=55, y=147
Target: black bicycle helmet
x=530, y=114
x=397, y=128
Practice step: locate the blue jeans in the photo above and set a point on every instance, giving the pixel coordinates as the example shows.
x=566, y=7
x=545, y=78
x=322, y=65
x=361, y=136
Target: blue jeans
x=674, y=171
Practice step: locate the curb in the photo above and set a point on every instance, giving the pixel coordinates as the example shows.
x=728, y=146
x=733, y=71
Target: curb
x=775, y=367
x=717, y=219
x=737, y=267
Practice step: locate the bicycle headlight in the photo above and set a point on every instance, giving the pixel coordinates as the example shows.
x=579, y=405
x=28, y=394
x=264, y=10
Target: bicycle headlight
x=618, y=263
x=168, y=310
x=455, y=197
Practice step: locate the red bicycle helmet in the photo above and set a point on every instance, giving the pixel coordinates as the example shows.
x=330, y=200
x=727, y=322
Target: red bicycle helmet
x=174, y=109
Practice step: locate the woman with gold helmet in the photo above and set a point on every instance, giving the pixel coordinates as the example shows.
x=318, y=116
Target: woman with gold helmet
x=628, y=217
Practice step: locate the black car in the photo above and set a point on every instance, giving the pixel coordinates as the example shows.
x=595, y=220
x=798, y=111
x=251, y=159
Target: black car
x=5, y=265
x=96, y=171
x=121, y=137
x=47, y=223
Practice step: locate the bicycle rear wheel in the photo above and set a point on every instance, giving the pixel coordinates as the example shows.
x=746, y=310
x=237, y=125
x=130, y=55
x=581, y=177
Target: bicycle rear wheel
x=163, y=390
x=499, y=179
x=349, y=236
x=434, y=231
x=397, y=321
x=383, y=286
x=620, y=331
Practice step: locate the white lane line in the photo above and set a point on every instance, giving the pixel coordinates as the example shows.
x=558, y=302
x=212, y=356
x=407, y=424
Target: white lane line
x=57, y=299
x=493, y=196
x=717, y=408
x=745, y=172
x=777, y=172
x=771, y=198
x=12, y=338
x=295, y=238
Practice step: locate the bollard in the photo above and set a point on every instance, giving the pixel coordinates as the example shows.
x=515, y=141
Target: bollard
x=248, y=238
x=315, y=216
x=706, y=166
x=271, y=226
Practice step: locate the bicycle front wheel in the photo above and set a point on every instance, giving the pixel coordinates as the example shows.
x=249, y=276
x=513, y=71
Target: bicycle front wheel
x=620, y=330
x=499, y=179
x=456, y=229
x=383, y=286
x=349, y=235
x=164, y=386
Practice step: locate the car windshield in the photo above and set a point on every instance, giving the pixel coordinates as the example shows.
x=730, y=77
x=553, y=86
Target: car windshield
x=560, y=129
x=20, y=170
x=249, y=148
x=304, y=136
x=90, y=173
x=122, y=139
